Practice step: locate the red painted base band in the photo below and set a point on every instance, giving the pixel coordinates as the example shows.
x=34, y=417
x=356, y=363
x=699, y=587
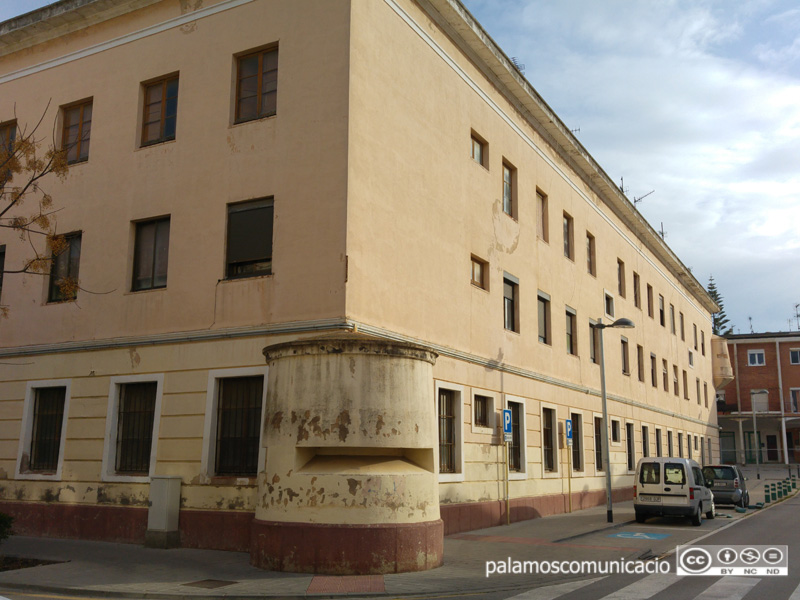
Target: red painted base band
x=479, y=515
x=215, y=529
x=346, y=549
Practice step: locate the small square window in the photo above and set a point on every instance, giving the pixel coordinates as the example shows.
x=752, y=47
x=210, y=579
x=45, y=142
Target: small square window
x=160, y=111
x=151, y=255
x=482, y=410
x=794, y=356
x=756, y=358
x=609, y=305
x=76, y=131
x=479, y=150
x=64, y=268
x=615, y=431
x=479, y=276
x=249, y=247
x=256, y=85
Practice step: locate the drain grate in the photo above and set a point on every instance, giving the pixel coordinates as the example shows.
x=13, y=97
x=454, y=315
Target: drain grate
x=210, y=584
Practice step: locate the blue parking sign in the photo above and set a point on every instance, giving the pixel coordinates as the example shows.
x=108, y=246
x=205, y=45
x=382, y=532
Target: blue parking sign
x=507, y=420
x=568, y=429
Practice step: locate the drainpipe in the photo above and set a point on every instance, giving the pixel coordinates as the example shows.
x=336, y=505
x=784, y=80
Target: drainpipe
x=780, y=396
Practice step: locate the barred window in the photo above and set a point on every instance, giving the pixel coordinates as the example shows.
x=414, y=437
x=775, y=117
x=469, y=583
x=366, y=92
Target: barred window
x=48, y=415
x=135, y=426
x=515, y=447
x=548, y=439
x=598, y=443
x=238, y=425
x=482, y=404
x=447, y=431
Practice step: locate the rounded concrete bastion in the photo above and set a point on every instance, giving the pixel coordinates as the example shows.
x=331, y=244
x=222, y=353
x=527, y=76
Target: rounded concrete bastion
x=350, y=483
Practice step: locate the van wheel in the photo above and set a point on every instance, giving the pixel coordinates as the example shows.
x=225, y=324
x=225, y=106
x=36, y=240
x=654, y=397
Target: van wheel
x=640, y=518
x=697, y=519
x=713, y=512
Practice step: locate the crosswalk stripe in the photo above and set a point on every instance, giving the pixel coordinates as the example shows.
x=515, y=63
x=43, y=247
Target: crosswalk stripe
x=795, y=594
x=554, y=591
x=729, y=588
x=644, y=588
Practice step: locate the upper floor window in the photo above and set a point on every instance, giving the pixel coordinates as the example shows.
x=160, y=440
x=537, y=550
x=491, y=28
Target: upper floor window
x=160, y=111
x=509, y=190
x=591, y=258
x=571, y=332
x=683, y=331
x=77, y=130
x=2, y=268
x=8, y=133
x=608, y=304
x=510, y=303
x=756, y=358
x=543, y=302
x=479, y=275
x=569, y=242
x=151, y=254
x=250, y=238
x=649, y=300
x=672, y=318
x=695, y=336
x=662, y=318
x=621, y=278
x=594, y=342
x=542, y=227
x=64, y=268
x=794, y=356
x=637, y=290
x=256, y=85
x=626, y=365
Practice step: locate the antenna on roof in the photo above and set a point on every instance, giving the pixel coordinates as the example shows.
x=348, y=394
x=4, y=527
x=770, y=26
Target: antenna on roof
x=622, y=185
x=751, y=324
x=797, y=315
x=661, y=232
x=640, y=198
x=578, y=130
x=519, y=65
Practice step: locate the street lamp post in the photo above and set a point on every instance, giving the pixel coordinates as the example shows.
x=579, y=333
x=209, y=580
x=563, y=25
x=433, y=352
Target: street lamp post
x=756, y=443
x=622, y=324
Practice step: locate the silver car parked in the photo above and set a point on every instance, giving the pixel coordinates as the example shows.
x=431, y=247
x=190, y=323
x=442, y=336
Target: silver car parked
x=727, y=484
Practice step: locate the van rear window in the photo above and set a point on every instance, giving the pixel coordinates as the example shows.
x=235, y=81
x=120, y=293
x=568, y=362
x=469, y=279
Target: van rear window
x=650, y=473
x=674, y=474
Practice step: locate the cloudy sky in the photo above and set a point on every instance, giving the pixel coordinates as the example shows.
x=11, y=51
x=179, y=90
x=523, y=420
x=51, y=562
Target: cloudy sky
x=698, y=100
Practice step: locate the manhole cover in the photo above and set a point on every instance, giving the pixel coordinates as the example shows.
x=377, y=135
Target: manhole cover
x=209, y=584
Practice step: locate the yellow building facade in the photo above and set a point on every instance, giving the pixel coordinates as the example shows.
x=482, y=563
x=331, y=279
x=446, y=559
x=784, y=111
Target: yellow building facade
x=321, y=246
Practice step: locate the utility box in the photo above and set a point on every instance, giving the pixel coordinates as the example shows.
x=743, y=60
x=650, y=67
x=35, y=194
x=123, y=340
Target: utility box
x=162, y=518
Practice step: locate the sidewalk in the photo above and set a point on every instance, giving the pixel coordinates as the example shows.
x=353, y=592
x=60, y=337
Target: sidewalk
x=104, y=569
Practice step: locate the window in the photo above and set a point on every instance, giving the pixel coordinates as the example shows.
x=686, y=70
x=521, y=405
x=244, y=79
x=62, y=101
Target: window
x=569, y=242
x=640, y=362
x=626, y=369
x=598, y=444
x=594, y=343
x=756, y=358
x=665, y=375
x=2, y=267
x=669, y=443
x=41, y=444
x=548, y=440
x=608, y=304
x=256, y=85
x=658, y=442
x=685, y=386
x=543, y=302
x=661, y=315
x=8, y=133
x=249, y=247
x=697, y=382
x=649, y=300
x=591, y=258
x=515, y=454
x=447, y=431
x=571, y=332
x=151, y=255
x=653, y=371
x=703, y=343
x=680, y=445
x=691, y=359
x=509, y=190
x=478, y=151
x=695, y=335
x=794, y=354
x=621, y=278
x=705, y=394
x=76, y=132
x=577, y=442
x=630, y=450
x=135, y=427
x=672, y=318
x=510, y=303
x=238, y=425
x=482, y=409
x=160, y=111
x=615, y=431
x=683, y=336
x=689, y=445
x=132, y=424
x=542, y=226
x=675, y=384
x=479, y=276
x=637, y=290
x=64, y=268
x=794, y=400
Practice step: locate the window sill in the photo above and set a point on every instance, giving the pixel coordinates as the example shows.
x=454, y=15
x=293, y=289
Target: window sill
x=451, y=477
x=38, y=476
x=145, y=291
x=253, y=120
x=479, y=287
x=247, y=277
x=517, y=476
x=154, y=144
x=230, y=480
x=75, y=163
x=123, y=478
x=550, y=474
x=511, y=331
x=59, y=302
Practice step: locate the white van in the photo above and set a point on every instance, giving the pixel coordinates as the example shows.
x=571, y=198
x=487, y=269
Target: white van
x=671, y=487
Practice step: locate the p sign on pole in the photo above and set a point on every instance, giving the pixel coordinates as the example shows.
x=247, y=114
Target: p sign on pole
x=507, y=425
x=568, y=430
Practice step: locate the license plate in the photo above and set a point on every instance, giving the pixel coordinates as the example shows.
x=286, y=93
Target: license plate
x=646, y=498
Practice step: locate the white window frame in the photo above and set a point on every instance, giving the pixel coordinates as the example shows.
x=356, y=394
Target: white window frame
x=608, y=294
x=556, y=472
x=795, y=392
x=792, y=353
x=611, y=441
x=691, y=359
x=492, y=410
x=209, y=455
x=523, y=439
x=27, y=428
x=755, y=354
x=582, y=471
x=108, y=472
x=459, y=431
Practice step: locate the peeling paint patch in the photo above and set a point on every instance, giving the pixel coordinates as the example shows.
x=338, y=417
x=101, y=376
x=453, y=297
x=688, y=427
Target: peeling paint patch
x=354, y=484
x=342, y=421
x=276, y=420
x=379, y=425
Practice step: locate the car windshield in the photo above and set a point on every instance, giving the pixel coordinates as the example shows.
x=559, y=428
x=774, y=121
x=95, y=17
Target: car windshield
x=674, y=474
x=719, y=473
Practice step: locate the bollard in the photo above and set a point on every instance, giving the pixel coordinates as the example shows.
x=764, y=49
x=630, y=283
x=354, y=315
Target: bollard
x=766, y=494
x=794, y=482
x=779, y=488
x=773, y=493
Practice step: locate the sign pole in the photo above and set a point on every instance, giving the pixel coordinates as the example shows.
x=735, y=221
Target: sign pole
x=569, y=476
x=508, y=436
x=508, y=512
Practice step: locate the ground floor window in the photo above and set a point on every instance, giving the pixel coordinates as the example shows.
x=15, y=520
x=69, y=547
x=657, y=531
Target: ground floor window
x=238, y=425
